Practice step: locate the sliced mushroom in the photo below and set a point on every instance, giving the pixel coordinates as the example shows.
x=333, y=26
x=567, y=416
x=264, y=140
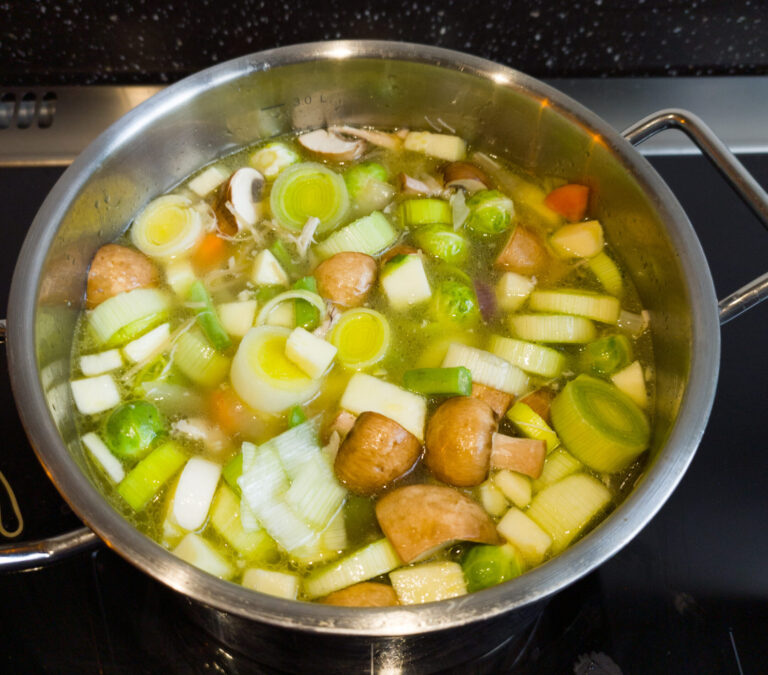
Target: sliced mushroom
x=414, y=186
x=523, y=253
x=498, y=400
x=376, y=452
x=327, y=145
x=365, y=594
x=458, y=441
x=346, y=278
x=524, y=455
x=116, y=269
x=419, y=520
x=240, y=204
x=539, y=401
x=465, y=175
x=380, y=138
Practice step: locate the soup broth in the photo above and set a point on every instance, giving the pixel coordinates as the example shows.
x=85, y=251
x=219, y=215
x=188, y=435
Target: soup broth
x=364, y=368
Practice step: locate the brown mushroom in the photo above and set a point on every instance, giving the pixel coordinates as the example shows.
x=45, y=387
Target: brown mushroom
x=498, y=400
x=523, y=253
x=458, y=441
x=380, y=138
x=342, y=424
x=239, y=205
x=376, y=452
x=413, y=186
x=116, y=269
x=419, y=520
x=539, y=401
x=365, y=594
x=325, y=145
x=524, y=455
x=346, y=278
x=465, y=175
x=400, y=249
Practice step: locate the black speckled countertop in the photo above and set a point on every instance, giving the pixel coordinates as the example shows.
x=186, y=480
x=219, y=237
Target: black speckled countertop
x=117, y=42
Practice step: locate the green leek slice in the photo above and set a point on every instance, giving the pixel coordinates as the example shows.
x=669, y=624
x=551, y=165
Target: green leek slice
x=145, y=479
x=264, y=377
x=603, y=308
x=198, y=359
x=532, y=425
x=370, y=235
x=558, y=464
x=599, y=424
x=308, y=190
x=564, y=509
x=427, y=211
x=225, y=519
x=298, y=294
x=362, y=338
x=528, y=356
x=207, y=319
x=607, y=273
x=126, y=315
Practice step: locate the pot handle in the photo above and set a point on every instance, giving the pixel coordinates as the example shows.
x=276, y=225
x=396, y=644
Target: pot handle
x=734, y=173
x=32, y=554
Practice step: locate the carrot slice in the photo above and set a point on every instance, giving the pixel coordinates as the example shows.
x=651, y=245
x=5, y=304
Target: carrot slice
x=232, y=415
x=212, y=251
x=570, y=201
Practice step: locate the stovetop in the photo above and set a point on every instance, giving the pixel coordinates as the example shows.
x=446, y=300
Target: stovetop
x=688, y=595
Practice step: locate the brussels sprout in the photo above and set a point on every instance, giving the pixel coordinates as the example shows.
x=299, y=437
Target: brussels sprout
x=490, y=212
x=606, y=355
x=131, y=428
x=360, y=174
x=486, y=566
x=368, y=188
x=440, y=241
x=454, y=302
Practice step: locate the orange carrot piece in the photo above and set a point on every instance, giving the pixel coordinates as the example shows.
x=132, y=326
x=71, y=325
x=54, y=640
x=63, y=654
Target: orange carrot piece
x=524, y=455
x=570, y=201
x=211, y=251
x=232, y=415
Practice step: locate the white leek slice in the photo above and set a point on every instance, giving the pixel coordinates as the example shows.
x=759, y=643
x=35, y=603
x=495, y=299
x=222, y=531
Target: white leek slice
x=365, y=392
x=198, y=552
x=428, y=582
x=294, y=447
x=103, y=362
x=284, y=526
x=368, y=562
x=167, y=227
x=565, y=508
x=512, y=290
x=95, y=394
x=309, y=352
x=263, y=478
x=558, y=464
x=315, y=495
x=194, y=492
x=528, y=356
x=603, y=308
x=298, y=294
x=552, y=328
x=101, y=453
x=487, y=368
x=370, y=234
x=124, y=309
x=279, y=584
x=226, y=520
x=264, y=377
x=148, y=344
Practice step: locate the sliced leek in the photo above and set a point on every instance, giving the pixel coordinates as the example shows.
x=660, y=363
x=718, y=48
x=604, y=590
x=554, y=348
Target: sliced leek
x=487, y=368
x=531, y=425
x=565, y=508
x=297, y=294
x=264, y=377
x=122, y=317
x=528, y=356
x=362, y=338
x=198, y=359
x=599, y=424
x=167, y=227
x=370, y=235
x=150, y=474
x=603, y=308
x=556, y=328
x=425, y=211
x=225, y=519
x=309, y=190
x=558, y=464
x=607, y=273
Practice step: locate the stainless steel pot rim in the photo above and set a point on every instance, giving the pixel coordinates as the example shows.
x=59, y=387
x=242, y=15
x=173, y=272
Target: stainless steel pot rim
x=604, y=542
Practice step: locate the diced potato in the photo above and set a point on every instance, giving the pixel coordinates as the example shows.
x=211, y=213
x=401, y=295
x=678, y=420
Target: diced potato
x=512, y=290
x=95, y=394
x=101, y=453
x=208, y=180
x=279, y=584
x=492, y=499
x=632, y=382
x=179, y=275
x=406, y=285
x=580, y=240
x=514, y=486
x=148, y=344
x=428, y=582
x=198, y=552
x=97, y=364
x=309, y=352
x=237, y=317
x=445, y=146
x=267, y=270
x=518, y=529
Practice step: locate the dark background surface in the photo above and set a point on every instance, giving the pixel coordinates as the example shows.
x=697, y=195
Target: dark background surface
x=113, y=41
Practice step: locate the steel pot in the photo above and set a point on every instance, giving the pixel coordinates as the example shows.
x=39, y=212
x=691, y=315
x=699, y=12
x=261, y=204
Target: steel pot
x=382, y=84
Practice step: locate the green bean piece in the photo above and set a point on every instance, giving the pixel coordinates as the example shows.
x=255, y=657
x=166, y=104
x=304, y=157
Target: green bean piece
x=306, y=314
x=198, y=297
x=454, y=381
x=296, y=416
